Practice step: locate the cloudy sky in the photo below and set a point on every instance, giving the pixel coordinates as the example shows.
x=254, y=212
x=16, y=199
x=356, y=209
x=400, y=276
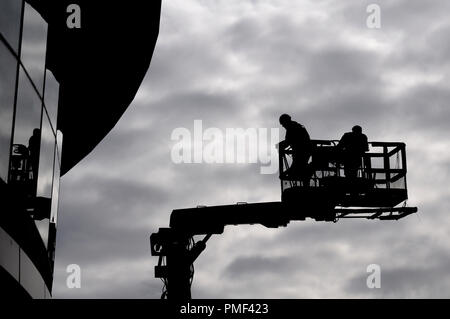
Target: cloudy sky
x=240, y=64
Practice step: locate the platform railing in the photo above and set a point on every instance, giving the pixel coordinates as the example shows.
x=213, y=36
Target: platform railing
x=384, y=164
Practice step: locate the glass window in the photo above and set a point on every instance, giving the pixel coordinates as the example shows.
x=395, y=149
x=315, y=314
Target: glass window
x=56, y=176
x=59, y=141
x=10, y=16
x=9, y=254
x=47, y=151
x=34, y=44
x=43, y=227
x=30, y=278
x=27, y=135
x=45, y=179
x=51, y=97
x=8, y=70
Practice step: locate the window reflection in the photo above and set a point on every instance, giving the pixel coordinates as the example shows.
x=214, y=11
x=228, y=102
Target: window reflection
x=8, y=69
x=56, y=176
x=42, y=206
x=10, y=16
x=51, y=97
x=34, y=146
x=25, y=159
x=30, y=278
x=34, y=43
x=33, y=152
x=32, y=156
x=43, y=226
x=47, y=149
x=55, y=198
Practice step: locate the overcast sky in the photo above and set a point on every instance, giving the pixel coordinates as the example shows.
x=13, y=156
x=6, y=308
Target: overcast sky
x=240, y=64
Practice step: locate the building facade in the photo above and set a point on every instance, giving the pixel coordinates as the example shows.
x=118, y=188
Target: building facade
x=55, y=81
x=30, y=153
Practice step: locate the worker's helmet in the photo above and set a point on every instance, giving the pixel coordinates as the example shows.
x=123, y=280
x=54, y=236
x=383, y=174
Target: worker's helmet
x=357, y=129
x=284, y=119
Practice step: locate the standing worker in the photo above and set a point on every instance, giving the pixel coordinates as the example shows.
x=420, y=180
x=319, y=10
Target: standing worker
x=298, y=139
x=352, y=147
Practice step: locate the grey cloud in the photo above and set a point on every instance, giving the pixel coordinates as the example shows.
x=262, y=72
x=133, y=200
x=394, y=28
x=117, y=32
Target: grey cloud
x=101, y=282
x=195, y=105
x=412, y=281
x=427, y=107
x=242, y=69
x=257, y=265
x=117, y=210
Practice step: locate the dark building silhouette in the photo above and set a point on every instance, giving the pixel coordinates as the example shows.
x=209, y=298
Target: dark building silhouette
x=58, y=83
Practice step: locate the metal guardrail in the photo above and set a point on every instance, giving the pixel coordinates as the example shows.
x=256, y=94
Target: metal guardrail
x=376, y=164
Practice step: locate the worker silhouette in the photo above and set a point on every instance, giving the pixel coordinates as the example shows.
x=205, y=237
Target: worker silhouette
x=298, y=139
x=34, y=145
x=352, y=147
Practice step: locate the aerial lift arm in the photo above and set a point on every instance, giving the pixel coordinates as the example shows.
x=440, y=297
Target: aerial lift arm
x=375, y=194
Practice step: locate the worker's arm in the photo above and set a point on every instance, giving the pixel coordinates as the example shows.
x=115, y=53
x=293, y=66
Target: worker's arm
x=366, y=144
x=342, y=142
x=283, y=145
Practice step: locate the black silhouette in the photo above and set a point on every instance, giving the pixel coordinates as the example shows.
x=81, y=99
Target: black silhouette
x=328, y=197
x=99, y=68
x=34, y=146
x=25, y=164
x=297, y=138
x=82, y=59
x=352, y=147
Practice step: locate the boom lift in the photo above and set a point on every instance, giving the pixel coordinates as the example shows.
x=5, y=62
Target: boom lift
x=378, y=192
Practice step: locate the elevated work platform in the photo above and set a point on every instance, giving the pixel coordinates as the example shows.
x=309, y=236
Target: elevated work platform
x=380, y=181
x=322, y=193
